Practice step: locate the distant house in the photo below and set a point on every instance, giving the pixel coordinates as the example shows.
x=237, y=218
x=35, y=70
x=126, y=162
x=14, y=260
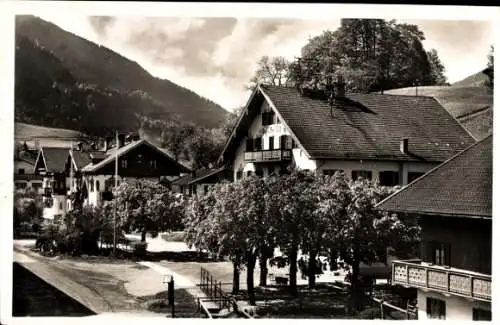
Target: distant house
x=50, y=164
x=24, y=166
x=199, y=182
x=453, y=204
x=386, y=138
x=67, y=169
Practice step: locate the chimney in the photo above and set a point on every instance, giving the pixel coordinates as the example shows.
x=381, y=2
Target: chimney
x=121, y=140
x=105, y=148
x=339, y=86
x=403, y=147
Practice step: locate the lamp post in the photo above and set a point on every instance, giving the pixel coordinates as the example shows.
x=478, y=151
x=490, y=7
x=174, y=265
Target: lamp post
x=115, y=205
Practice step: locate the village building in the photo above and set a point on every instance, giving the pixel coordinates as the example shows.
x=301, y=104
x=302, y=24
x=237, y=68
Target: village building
x=24, y=167
x=387, y=138
x=390, y=139
x=199, y=182
x=92, y=171
x=453, y=205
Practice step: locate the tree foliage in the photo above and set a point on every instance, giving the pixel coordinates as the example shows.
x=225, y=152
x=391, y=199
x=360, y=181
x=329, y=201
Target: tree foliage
x=372, y=54
x=147, y=207
x=271, y=71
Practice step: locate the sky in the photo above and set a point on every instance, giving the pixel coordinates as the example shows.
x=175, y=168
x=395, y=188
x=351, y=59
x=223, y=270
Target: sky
x=215, y=57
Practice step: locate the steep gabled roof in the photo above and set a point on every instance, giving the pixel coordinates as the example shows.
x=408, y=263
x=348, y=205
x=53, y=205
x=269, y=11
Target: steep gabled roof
x=461, y=186
x=111, y=155
x=80, y=158
x=54, y=159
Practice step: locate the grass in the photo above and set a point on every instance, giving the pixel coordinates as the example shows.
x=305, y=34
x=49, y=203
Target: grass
x=185, y=304
x=26, y=131
x=173, y=236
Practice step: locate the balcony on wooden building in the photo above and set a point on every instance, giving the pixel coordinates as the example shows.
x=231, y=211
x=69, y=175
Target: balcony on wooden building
x=256, y=154
x=444, y=279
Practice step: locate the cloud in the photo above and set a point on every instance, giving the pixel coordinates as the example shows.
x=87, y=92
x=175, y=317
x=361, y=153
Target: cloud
x=216, y=57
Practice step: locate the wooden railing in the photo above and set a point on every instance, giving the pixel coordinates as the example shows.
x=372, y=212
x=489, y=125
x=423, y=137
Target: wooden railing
x=439, y=278
x=268, y=155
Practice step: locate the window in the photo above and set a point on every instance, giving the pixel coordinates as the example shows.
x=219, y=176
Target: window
x=436, y=309
x=21, y=186
x=366, y=174
x=36, y=186
x=60, y=205
x=249, y=173
x=20, y=171
x=439, y=253
x=153, y=164
x=91, y=185
x=389, y=178
x=268, y=118
x=331, y=172
x=124, y=163
x=286, y=142
x=259, y=172
x=249, y=145
x=481, y=314
x=239, y=174
x=271, y=143
x=97, y=186
x=413, y=176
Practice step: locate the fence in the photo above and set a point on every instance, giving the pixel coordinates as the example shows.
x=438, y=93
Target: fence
x=386, y=308
x=213, y=289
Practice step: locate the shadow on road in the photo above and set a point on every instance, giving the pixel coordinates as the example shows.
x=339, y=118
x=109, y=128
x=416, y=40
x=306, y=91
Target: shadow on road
x=34, y=297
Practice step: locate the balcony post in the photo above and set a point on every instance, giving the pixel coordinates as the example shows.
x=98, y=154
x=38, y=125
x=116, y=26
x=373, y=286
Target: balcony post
x=407, y=274
x=447, y=281
x=471, y=286
x=427, y=277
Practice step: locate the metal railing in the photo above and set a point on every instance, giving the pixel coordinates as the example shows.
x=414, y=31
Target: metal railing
x=268, y=155
x=443, y=279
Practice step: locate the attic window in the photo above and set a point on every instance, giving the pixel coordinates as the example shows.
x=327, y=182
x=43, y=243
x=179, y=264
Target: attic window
x=124, y=163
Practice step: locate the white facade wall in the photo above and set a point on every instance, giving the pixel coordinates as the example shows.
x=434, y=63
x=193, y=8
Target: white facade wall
x=457, y=308
x=59, y=207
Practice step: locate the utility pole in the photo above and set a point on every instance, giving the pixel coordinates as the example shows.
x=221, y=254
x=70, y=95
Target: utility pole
x=115, y=205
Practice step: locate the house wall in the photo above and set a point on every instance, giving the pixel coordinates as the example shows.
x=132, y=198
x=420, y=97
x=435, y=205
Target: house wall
x=457, y=308
x=59, y=207
x=470, y=241
x=21, y=164
x=376, y=167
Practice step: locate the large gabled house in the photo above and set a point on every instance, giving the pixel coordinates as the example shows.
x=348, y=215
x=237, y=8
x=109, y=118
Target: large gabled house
x=387, y=138
x=453, y=205
x=24, y=166
x=91, y=171
x=50, y=164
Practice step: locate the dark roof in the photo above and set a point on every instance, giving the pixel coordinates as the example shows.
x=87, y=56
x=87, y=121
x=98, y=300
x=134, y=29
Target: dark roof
x=198, y=176
x=370, y=126
x=114, y=152
x=81, y=159
x=55, y=159
x=461, y=186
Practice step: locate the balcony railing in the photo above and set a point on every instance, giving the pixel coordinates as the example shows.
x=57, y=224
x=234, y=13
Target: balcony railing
x=268, y=155
x=442, y=279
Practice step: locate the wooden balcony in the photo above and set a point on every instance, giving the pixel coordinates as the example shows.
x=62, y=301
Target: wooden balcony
x=442, y=279
x=268, y=155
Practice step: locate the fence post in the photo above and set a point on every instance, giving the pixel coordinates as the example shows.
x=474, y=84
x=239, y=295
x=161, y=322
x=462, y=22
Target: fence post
x=382, y=309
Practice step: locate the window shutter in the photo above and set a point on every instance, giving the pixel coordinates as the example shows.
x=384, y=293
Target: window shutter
x=447, y=254
x=271, y=143
x=429, y=308
x=289, y=142
x=442, y=309
x=258, y=144
x=282, y=141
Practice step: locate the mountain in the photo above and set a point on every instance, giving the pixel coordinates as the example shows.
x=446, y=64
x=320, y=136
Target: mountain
x=65, y=81
x=470, y=101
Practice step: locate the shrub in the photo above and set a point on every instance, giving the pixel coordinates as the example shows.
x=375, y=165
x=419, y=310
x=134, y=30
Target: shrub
x=370, y=313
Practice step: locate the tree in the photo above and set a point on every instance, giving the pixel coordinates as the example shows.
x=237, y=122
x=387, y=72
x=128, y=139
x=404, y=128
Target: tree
x=271, y=71
x=437, y=68
x=204, y=147
x=490, y=67
x=372, y=54
x=146, y=206
x=357, y=231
